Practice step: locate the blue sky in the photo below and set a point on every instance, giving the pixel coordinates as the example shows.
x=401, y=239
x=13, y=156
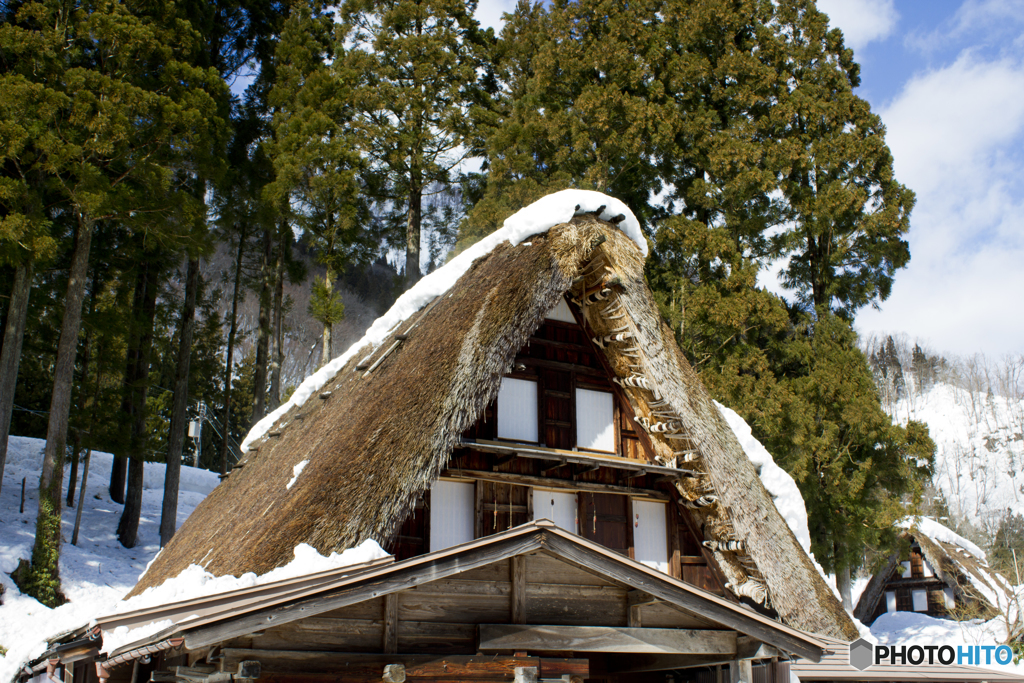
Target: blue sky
x=947, y=78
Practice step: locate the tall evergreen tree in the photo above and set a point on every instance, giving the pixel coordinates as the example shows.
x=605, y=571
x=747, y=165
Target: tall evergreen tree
x=124, y=105
x=845, y=212
x=316, y=157
x=417, y=64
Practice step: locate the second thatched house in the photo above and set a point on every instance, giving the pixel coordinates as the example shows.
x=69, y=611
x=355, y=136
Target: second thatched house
x=942, y=575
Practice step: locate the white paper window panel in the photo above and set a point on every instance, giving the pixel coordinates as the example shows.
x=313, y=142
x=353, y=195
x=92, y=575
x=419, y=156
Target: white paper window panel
x=517, y=409
x=595, y=420
x=906, y=570
x=451, y=513
x=927, y=568
x=950, y=598
x=920, y=601
x=561, y=312
x=558, y=506
x=650, y=534
x=890, y=601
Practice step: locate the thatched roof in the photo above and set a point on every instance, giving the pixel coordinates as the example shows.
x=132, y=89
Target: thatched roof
x=977, y=588
x=376, y=437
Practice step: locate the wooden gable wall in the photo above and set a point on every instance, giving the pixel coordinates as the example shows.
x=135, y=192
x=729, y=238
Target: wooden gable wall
x=561, y=358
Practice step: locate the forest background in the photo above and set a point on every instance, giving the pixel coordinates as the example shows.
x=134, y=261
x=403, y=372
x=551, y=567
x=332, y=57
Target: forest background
x=141, y=203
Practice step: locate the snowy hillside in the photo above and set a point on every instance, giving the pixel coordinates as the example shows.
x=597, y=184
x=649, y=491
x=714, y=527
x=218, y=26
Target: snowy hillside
x=96, y=573
x=979, y=438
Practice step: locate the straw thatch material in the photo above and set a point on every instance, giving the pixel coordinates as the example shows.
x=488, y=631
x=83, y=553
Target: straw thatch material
x=960, y=570
x=375, y=441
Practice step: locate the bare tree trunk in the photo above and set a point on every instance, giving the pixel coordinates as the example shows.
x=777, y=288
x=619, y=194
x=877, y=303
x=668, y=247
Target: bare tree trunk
x=412, y=231
x=325, y=351
x=226, y=422
x=44, y=579
x=843, y=582
x=10, y=354
x=119, y=467
x=179, y=408
x=277, y=360
x=73, y=476
x=128, y=528
x=263, y=337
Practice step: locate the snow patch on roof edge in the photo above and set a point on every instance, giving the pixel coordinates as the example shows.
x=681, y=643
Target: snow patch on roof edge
x=937, y=532
x=539, y=217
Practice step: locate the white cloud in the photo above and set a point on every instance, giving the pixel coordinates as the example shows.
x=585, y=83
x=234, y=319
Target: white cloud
x=988, y=14
x=861, y=21
x=489, y=13
x=957, y=136
x=952, y=119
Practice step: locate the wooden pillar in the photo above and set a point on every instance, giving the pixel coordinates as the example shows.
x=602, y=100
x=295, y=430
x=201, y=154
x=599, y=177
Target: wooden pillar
x=518, y=592
x=391, y=623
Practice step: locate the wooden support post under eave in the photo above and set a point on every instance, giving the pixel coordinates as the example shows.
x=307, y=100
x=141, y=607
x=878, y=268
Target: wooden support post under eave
x=518, y=570
x=636, y=600
x=391, y=623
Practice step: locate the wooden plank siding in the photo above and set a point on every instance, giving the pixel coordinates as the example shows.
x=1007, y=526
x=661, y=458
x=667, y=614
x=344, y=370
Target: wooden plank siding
x=560, y=358
x=443, y=616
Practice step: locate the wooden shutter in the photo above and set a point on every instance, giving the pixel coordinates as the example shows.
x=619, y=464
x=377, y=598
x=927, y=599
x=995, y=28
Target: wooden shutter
x=451, y=513
x=605, y=520
x=558, y=506
x=650, y=534
x=517, y=410
x=595, y=420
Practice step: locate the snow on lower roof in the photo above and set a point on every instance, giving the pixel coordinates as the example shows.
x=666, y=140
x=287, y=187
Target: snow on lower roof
x=539, y=217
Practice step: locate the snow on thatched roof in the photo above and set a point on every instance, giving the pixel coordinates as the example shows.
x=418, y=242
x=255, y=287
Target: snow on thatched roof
x=958, y=562
x=378, y=426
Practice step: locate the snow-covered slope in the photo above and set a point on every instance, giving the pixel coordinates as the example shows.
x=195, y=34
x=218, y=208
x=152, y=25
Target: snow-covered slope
x=96, y=573
x=979, y=462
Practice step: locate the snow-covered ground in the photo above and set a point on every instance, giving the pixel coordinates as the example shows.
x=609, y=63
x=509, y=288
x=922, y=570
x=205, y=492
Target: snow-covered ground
x=979, y=462
x=97, y=573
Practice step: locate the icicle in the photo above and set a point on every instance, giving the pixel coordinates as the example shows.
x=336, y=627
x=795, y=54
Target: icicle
x=600, y=295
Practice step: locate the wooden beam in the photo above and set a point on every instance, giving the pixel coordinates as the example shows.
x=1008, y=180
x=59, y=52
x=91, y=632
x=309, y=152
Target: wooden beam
x=370, y=667
x=692, y=600
x=640, y=663
x=542, y=482
x=634, y=619
x=518, y=572
x=500, y=637
x=579, y=457
x=558, y=365
x=751, y=648
x=367, y=586
x=391, y=623
x=636, y=600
